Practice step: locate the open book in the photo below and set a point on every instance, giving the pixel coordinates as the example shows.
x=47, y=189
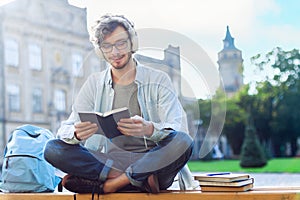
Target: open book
x=107, y=122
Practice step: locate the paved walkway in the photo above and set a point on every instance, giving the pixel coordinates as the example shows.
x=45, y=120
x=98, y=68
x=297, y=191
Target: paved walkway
x=276, y=179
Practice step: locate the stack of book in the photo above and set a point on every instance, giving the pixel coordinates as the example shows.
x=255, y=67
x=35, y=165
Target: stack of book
x=225, y=182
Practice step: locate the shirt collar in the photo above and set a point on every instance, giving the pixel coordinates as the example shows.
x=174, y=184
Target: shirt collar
x=139, y=77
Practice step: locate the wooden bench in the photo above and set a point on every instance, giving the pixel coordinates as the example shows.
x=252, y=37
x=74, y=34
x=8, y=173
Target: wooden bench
x=280, y=193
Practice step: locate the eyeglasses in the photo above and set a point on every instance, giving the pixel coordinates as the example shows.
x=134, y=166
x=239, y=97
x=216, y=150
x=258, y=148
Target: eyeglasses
x=120, y=45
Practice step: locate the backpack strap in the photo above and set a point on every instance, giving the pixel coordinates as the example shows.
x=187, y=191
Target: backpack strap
x=60, y=187
x=9, y=139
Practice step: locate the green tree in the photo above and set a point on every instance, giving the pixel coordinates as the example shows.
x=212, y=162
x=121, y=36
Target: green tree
x=234, y=126
x=252, y=154
x=283, y=89
x=262, y=108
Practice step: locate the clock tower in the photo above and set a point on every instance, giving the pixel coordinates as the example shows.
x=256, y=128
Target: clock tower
x=230, y=65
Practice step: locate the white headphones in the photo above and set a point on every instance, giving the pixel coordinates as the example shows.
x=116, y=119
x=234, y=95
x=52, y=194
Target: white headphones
x=122, y=20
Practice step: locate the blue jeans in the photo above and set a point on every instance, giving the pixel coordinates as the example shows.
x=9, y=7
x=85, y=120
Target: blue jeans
x=165, y=160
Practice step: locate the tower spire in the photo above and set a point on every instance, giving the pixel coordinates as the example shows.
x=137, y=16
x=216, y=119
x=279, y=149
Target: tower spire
x=229, y=40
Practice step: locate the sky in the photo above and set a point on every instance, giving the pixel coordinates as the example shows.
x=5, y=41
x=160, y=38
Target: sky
x=257, y=26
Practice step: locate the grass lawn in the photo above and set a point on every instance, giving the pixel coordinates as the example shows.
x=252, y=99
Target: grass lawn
x=290, y=165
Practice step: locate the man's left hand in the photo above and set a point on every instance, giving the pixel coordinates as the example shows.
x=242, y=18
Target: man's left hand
x=135, y=126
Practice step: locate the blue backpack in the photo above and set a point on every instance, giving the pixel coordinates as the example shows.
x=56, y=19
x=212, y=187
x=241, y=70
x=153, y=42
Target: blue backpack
x=24, y=168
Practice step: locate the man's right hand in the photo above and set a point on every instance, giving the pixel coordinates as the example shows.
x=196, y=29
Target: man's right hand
x=84, y=130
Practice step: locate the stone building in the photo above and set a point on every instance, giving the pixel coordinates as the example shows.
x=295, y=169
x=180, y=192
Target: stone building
x=169, y=64
x=230, y=65
x=45, y=56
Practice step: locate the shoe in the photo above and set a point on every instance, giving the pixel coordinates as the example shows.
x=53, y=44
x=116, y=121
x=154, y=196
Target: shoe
x=152, y=184
x=82, y=185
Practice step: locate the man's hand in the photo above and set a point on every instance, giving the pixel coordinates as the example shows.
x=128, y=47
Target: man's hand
x=135, y=126
x=84, y=130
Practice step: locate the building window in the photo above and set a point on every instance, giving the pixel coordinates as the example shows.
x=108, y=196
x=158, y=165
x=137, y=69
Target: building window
x=77, y=62
x=11, y=52
x=60, y=100
x=37, y=100
x=35, y=57
x=14, y=98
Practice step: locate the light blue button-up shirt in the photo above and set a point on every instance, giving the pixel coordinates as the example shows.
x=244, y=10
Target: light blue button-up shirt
x=157, y=98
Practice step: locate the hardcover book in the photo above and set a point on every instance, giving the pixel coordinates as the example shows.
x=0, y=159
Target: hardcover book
x=106, y=122
x=226, y=189
x=227, y=184
x=222, y=177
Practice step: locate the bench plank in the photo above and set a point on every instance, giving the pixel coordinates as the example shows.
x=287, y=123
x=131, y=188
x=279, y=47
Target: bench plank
x=255, y=194
x=38, y=196
x=196, y=195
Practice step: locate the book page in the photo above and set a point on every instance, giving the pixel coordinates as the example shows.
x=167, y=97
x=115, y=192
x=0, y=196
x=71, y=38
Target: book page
x=114, y=111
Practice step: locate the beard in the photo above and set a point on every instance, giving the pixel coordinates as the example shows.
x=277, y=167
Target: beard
x=120, y=61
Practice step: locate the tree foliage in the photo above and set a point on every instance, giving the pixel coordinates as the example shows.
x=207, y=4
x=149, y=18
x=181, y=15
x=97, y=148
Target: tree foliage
x=252, y=154
x=234, y=125
x=281, y=92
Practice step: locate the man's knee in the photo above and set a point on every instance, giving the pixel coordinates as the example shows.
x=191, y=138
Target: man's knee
x=51, y=151
x=185, y=139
